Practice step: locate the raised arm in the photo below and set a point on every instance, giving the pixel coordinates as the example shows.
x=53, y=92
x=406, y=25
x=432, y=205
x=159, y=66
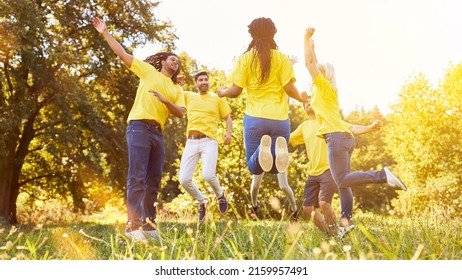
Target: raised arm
x=310, y=57
x=116, y=47
x=231, y=92
x=361, y=129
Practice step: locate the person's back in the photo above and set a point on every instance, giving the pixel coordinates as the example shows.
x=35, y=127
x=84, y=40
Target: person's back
x=265, y=100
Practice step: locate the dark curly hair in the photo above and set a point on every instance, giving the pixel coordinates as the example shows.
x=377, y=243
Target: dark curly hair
x=262, y=31
x=156, y=61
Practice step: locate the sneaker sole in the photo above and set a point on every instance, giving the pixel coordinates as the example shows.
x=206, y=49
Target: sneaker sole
x=396, y=179
x=282, y=155
x=265, y=158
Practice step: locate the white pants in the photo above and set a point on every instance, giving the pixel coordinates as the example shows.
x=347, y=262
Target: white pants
x=207, y=149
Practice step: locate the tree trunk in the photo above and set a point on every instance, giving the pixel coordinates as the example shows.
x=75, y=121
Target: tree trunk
x=6, y=191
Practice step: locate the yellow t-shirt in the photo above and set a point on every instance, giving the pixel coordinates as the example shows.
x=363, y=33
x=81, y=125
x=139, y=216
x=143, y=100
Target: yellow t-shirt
x=325, y=103
x=147, y=106
x=204, y=112
x=269, y=100
x=316, y=147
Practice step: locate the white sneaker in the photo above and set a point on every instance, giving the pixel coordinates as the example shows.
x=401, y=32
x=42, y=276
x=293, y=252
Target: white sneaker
x=282, y=155
x=135, y=235
x=394, y=181
x=344, y=230
x=152, y=234
x=265, y=158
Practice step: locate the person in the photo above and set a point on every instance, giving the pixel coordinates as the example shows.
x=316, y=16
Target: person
x=268, y=77
x=338, y=134
x=157, y=96
x=320, y=186
x=204, y=110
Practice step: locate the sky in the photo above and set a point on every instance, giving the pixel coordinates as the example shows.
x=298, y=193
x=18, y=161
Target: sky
x=375, y=46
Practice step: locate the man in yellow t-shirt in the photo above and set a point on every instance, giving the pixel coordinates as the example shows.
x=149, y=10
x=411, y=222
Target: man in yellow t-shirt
x=157, y=96
x=204, y=111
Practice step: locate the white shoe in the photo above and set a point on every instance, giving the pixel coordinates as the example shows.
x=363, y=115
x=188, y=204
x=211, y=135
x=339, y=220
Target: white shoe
x=135, y=235
x=344, y=230
x=394, y=181
x=265, y=158
x=282, y=155
x=152, y=234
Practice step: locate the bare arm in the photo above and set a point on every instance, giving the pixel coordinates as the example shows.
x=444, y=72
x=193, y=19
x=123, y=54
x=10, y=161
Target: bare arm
x=361, y=129
x=231, y=92
x=310, y=57
x=293, y=92
x=116, y=47
x=229, y=130
x=174, y=109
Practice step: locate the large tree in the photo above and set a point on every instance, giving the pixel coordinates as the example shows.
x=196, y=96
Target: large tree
x=425, y=138
x=65, y=96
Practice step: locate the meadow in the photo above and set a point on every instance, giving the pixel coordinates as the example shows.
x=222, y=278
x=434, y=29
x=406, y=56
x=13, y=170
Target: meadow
x=375, y=238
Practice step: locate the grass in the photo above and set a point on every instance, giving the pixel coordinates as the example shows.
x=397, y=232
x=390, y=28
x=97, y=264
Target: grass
x=375, y=238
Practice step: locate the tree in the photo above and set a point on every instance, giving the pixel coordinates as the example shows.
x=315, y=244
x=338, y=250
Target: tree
x=425, y=139
x=65, y=96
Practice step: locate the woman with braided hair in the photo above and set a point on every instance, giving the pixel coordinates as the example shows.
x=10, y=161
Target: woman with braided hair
x=157, y=96
x=268, y=77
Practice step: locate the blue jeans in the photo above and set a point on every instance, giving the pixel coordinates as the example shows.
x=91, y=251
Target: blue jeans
x=254, y=129
x=145, y=164
x=340, y=146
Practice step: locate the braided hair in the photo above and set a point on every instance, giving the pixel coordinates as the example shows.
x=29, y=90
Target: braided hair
x=262, y=31
x=156, y=61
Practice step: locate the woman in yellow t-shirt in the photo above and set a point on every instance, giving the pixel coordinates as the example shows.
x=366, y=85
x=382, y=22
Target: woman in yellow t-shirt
x=338, y=135
x=267, y=75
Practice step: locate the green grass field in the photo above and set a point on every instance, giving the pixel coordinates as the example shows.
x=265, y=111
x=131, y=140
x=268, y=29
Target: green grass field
x=375, y=238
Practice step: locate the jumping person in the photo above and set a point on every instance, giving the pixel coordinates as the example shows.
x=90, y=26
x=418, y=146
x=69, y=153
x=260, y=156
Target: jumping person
x=320, y=186
x=338, y=134
x=157, y=96
x=268, y=77
x=204, y=111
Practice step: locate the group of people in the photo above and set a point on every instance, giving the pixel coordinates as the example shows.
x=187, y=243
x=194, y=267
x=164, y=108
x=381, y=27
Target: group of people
x=267, y=76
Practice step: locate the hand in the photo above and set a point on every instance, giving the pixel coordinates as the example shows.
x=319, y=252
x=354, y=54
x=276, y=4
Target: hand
x=377, y=125
x=99, y=25
x=309, y=33
x=159, y=96
x=220, y=91
x=181, y=80
x=305, y=96
x=293, y=59
x=228, y=138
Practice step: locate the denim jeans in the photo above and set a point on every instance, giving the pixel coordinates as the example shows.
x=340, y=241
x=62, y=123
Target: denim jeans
x=145, y=164
x=207, y=149
x=254, y=129
x=340, y=146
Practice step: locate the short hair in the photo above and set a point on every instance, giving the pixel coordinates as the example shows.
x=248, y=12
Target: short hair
x=201, y=73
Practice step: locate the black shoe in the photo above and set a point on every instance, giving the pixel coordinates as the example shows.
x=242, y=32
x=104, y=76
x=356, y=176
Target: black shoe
x=222, y=204
x=294, y=216
x=202, y=208
x=254, y=214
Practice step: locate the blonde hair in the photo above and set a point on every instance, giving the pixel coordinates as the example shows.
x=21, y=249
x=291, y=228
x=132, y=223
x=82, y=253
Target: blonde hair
x=328, y=72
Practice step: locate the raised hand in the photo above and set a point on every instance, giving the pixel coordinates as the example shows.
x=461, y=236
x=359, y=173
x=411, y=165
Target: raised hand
x=309, y=32
x=99, y=24
x=293, y=59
